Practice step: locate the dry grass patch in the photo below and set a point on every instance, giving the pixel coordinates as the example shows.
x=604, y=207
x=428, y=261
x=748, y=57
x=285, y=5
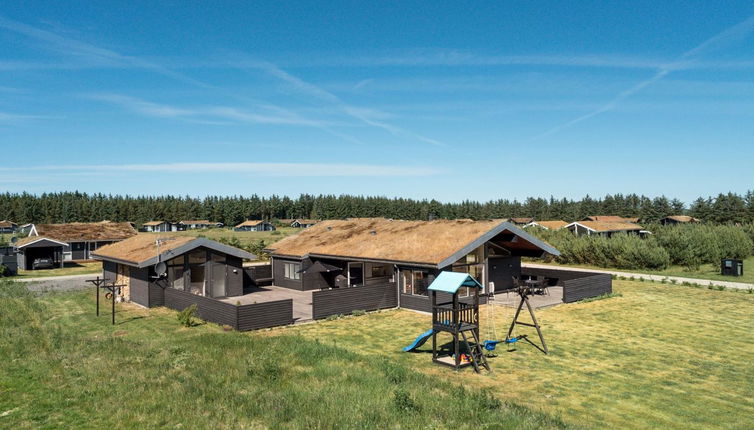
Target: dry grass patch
x=657, y=356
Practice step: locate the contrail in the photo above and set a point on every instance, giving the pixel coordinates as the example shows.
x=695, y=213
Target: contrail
x=729, y=35
x=69, y=46
x=322, y=94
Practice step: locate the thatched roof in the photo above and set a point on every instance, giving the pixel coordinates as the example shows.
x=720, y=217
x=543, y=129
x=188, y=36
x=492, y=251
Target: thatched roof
x=425, y=242
x=153, y=223
x=250, y=223
x=522, y=220
x=197, y=221
x=610, y=218
x=141, y=250
x=550, y=225
x=682, y=218
x=7, y=224
x=85, y=231
x=606, y=227
x=306, y=221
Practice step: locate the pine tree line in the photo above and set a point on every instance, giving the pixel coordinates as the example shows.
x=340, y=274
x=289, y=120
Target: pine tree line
x=83, y=207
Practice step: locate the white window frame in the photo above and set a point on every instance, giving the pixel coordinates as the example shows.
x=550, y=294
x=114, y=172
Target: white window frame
x=291, y=271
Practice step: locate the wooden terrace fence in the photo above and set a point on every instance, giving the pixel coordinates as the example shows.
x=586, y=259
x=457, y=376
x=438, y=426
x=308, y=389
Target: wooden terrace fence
x=240, y=317
x=346, y=300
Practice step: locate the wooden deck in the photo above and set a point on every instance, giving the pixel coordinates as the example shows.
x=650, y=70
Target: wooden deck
x=302, y=300
x=511, y=299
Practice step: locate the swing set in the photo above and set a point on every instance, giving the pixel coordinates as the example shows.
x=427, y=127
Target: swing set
x=523, y=291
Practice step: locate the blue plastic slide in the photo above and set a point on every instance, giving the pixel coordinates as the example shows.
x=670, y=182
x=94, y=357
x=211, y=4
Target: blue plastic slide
x=419, y=340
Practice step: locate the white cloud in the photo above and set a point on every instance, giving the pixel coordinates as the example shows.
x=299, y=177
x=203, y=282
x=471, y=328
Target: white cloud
x=252, y=169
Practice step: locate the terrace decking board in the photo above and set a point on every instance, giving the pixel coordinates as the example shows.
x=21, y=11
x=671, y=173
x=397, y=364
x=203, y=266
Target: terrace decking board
x=346, y=300
x=263, y=315
x=590, y=286
x=576, y=285
x=242, y=318
x=423, y=304
x=207, y=309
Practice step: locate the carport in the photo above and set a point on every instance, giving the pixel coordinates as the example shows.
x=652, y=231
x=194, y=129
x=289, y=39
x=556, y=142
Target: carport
x=40, y=247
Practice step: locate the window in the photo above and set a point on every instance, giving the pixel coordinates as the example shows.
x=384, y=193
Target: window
x=175, y=273
x=380, y=271
x=415, y=282
x=198, y=272
x=291, y=271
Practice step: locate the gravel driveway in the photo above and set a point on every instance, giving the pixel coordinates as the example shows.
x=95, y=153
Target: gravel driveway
x=58, y=283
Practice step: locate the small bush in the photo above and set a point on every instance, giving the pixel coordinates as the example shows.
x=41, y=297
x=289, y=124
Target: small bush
x=403, y=401
x=186, y=316
x=334, y=317
x=358, y=313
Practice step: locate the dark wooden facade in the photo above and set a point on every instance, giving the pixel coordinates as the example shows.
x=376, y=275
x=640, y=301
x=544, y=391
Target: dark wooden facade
x=577, y=285
x=346, y=300
x=240, y=317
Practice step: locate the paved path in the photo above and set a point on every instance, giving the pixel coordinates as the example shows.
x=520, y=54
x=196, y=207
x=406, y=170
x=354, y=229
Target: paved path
x=658, y=278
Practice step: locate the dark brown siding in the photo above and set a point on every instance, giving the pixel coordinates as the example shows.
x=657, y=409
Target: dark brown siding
x=207, y=309
x=246, y=317
x=346, y=300
x=422, y=303
x=278, y=274
x=257, y=275
x=234, y=280
x=139, y=286
x=590, y=286
x=263, y=315
x=560, y=275
x=501, y=271
x=576, y=285
x=109, y=270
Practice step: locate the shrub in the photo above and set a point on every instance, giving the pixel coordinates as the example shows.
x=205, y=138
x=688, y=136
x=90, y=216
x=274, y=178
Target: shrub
x=358, y=312
x=403, y=401
x=186, y=316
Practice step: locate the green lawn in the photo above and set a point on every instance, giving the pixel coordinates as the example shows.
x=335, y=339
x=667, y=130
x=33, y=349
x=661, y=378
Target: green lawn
x=657, y=356
x=62, y=367
x=70, y=268
x=707, y=271
x=654, y=356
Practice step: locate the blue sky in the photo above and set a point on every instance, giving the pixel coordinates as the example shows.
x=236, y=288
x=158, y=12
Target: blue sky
x=453, y=101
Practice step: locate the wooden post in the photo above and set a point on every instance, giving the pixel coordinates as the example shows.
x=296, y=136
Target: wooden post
x=96, y=291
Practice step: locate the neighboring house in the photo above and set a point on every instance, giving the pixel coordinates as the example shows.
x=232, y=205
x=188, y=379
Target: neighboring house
x=610, y=218
x=254, y=225
x=158, y=226
x=73, y=241
x=678, y=219
x=407, y=254
x=198, y=224
x=193, y=265
x=8, y=227
x=548, y=225
x=303, y=223
x=604, y=228
x=522, y=221
x=285, y=222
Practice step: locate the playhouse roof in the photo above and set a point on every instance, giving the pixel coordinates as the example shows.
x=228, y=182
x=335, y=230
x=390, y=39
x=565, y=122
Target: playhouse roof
x=450, y=282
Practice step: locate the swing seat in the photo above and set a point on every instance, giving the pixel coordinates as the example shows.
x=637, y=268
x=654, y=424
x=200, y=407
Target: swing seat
x=490, y=345
x=511, y=340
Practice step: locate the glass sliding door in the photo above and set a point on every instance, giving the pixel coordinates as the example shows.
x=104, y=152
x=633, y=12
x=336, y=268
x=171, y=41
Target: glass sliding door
x=198, y=272
x=175, y=273
x=217, y=265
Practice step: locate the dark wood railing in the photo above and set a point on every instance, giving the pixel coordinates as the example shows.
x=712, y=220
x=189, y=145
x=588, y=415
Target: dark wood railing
x=444, y=316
